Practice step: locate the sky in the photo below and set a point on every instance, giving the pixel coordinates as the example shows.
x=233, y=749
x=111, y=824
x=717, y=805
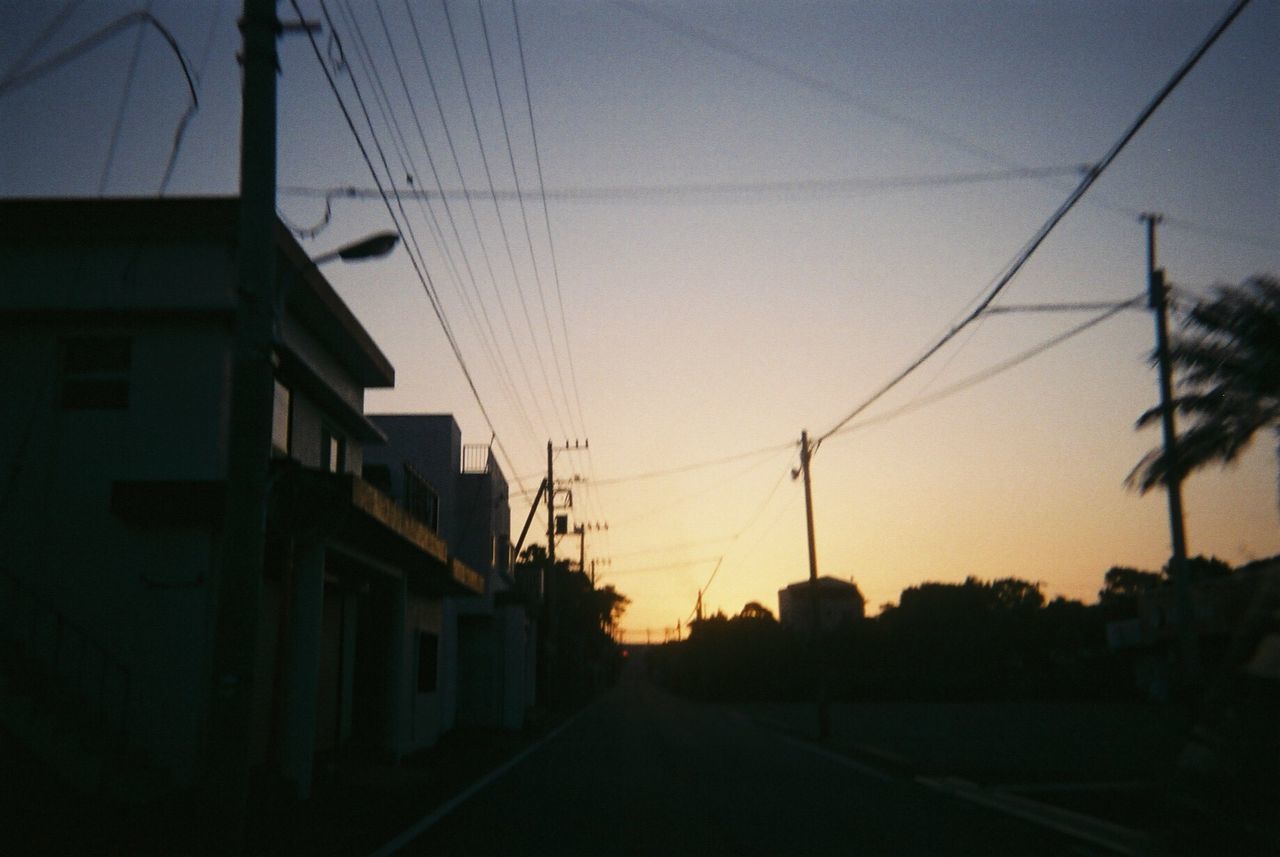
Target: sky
x=756, y=215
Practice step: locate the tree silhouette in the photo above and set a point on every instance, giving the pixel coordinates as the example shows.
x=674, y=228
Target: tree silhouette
x=755, y=610
x=582, y=655
x=1122, y=586
x=1229, y=383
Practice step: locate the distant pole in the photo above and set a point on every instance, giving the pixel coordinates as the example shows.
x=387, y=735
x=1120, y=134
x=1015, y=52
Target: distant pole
x=820, y=681
x=551, y=570
x=238, y=587
x=1158, y=300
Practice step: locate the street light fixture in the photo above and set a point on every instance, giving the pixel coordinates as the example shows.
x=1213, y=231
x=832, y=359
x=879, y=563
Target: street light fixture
x=372, y=247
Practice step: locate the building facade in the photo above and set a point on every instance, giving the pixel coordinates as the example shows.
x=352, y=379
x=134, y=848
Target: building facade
x=116, y=352
x=488, y=640
x=839, y=604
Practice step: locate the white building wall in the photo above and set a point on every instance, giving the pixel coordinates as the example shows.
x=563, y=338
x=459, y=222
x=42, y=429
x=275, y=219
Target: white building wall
x=426, y=710
x=140, y=594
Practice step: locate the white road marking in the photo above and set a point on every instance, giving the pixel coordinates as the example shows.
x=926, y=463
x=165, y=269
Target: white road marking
x=425, y=823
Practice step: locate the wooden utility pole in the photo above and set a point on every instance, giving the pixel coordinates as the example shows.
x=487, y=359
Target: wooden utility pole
x=820, y=679
x=1158, y=301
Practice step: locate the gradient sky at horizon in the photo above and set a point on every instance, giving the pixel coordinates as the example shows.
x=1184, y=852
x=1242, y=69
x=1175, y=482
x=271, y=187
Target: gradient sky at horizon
x=704, y=324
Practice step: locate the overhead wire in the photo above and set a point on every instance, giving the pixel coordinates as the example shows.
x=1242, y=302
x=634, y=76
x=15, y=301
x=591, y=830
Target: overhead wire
x=504, y=371
x=130, y=74
x=546, y=214
x=882, y=111
x=726, y=191
x=409, y=165
x=1061, y=212
x=697, y=465
x=423, y=275
x=502, y=227
x=19, y=75
x=693, y=495
x=51, y=29
x=524, y=215
x=995, y=369
x=749, y=523
x=555, y=264
x=475, y=221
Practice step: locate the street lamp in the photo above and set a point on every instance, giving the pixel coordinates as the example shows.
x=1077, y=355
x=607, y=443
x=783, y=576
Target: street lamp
x=372, y=247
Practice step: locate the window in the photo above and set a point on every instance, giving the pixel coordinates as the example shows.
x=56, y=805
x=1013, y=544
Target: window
x=333, y=451
x=428, y=654
x=420, y=499
x=95, y=373
x=282, y=419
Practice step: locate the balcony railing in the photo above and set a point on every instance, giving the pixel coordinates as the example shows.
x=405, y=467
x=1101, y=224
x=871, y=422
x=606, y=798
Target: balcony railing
x=475, y=458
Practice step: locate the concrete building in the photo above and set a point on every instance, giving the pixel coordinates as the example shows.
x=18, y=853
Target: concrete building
x=116, y=342
x=839, y=603
x=487, y=642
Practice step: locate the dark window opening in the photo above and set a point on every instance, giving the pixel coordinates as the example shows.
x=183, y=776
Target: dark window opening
x=428, y=653
x=95, y=373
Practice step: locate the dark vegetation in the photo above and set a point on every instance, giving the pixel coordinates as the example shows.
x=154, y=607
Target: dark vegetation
x=576, y=652
x=976, y=640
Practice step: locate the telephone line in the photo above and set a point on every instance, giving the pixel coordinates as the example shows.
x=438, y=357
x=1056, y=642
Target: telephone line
x=490, y=345
x=423, y=276
x=785, y=188
x=1043, y=233
x=475, y=220
x=502, y=226
x=524, y=217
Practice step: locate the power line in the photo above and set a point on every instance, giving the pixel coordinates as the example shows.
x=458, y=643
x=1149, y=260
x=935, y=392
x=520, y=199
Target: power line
x=692, y=495
x=546, y=219
x=494, y=352
x=666, y=566
x=475, y=221
x=502, y=227
x=1039, y=237
x=18, y=79
x=1084, y=306
x=750, y=521
x=727, y=191
x=812, y=83
x=428, y=212
x=996, y=369
x=524, y=215
x=55, y=24
x=423, y=276
x=697, y=465
x=555, y=264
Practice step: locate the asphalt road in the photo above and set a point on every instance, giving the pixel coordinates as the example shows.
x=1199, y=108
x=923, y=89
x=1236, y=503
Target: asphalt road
x=643, y=773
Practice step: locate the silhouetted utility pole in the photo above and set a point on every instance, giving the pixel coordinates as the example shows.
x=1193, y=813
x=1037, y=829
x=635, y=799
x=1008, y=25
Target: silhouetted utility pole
x=1158, y=300
x=820, y=679
x=238, y=586
x=551, y=595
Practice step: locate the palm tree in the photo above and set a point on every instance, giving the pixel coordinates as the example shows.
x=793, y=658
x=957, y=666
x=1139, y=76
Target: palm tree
x=1228, y=360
